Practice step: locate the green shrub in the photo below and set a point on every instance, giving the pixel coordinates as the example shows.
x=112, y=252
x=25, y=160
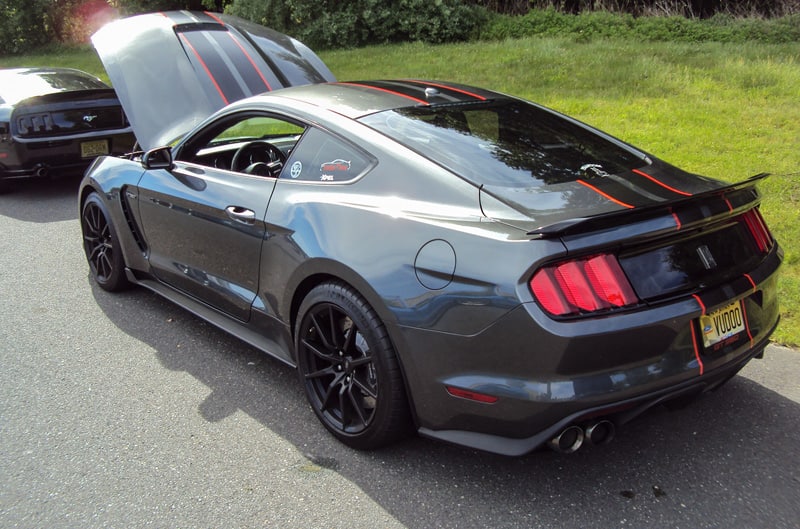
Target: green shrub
x=325, y=24
x=603, y=24
x=22, y=26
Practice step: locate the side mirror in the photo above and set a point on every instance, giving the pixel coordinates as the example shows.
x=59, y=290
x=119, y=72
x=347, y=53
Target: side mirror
x=158, y=158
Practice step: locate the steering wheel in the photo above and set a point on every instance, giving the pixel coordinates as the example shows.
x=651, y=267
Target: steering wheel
x=256, y=153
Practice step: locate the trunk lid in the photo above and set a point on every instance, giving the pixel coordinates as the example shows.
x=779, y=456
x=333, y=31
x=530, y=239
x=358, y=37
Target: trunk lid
x=681, y=246
x=67, y=113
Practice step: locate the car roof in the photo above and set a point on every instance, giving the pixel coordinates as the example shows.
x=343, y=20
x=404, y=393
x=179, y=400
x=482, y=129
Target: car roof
x=359, y=98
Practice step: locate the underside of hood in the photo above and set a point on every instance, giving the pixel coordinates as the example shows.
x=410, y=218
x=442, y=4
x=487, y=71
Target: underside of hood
x=172, y=70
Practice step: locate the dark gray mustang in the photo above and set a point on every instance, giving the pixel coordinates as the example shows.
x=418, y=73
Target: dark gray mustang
x=430, y=256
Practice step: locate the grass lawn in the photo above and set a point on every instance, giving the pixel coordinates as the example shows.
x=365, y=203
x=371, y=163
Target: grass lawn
x=723, y=110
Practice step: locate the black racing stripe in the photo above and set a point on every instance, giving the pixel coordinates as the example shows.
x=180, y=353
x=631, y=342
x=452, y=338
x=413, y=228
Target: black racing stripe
x=180, y=18
x=621, y=192
x=642, y=186
x=386, y=88
x=453, y=92
x=205, y=77
x=659, y=180
x=206, y=45
x=400, y=87
x=240, y=59
x=653, y=188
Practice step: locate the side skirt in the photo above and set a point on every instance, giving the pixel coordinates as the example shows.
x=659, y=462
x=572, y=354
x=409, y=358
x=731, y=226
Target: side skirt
x=240, y=330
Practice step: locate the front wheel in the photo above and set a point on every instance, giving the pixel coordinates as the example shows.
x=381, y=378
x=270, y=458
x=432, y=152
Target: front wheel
x=349, y=369
x=101, y=245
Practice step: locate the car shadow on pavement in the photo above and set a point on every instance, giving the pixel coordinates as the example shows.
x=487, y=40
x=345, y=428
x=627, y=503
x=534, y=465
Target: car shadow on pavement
x=42, y=200
x=729, y=459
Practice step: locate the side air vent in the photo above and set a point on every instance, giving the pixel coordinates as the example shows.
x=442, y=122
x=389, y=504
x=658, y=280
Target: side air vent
x=125, y=197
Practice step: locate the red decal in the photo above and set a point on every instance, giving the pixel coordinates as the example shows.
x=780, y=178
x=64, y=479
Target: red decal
x=728, y=202
x=696, y=347
x=751, y=282
x=336, y=166
x=420, y=101
x=250, y=59
x=205, y=67
x=662, y=184
x=702, y=306
x=215, y=17
x=677, y=221
x=606, y=195
x=454, y=89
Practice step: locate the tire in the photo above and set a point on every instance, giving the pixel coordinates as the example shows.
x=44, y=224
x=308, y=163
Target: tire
x=101, y=245
x=349, y=369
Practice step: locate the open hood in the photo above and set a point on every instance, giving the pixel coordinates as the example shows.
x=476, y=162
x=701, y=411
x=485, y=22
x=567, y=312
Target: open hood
x=172, y=70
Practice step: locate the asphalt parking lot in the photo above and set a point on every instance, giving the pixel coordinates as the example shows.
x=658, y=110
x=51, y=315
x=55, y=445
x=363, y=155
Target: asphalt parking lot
x=125, y=411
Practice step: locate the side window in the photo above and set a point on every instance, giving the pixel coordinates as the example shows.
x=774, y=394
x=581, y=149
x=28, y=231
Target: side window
x=259, y=127
x=245, y=143
x=321, y=157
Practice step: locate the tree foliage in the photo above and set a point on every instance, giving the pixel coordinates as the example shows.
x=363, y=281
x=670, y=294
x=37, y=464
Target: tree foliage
x=687, y=8
x=22, y=26
x=133, y=7
x=337, y=23
x=29, y=24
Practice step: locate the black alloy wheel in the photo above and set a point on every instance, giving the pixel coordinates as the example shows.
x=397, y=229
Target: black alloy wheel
x=349, y=369
x=101, y=245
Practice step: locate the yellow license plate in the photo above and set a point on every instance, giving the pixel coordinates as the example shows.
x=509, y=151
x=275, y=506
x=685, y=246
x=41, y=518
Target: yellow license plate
x=722, y=324
x=90, y=149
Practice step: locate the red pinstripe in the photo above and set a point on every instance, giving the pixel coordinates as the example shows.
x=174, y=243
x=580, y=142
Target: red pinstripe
x=205, y=67
x=420, y=101
x=603, y=194
x=662, y=184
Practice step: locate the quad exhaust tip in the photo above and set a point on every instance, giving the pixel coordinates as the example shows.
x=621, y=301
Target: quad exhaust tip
x=600, y=432
x=571, y=438
x=41, y=170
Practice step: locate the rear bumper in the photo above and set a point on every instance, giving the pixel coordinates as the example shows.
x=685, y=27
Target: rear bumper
x=549, y=374
x=56, y=157
x=617, y=412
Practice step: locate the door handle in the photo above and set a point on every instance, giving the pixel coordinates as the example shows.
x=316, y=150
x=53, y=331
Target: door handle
x=241, y=214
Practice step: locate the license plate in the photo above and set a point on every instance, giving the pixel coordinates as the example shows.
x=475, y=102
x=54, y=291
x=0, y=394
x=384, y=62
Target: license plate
x=90, y=149
x=722, y=324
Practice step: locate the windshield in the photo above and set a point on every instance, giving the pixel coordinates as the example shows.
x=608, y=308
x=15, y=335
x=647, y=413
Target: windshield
x=506, y=143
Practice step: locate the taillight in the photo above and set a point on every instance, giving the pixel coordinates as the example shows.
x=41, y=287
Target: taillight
x=582, y=286
x=758, y=229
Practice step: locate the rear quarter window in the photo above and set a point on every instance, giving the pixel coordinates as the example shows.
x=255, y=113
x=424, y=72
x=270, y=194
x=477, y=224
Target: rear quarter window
x=322, y=157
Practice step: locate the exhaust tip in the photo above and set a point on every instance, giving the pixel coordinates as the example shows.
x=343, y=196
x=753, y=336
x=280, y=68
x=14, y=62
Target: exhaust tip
x=568, y=441
x=600, y=432
x=41, y=170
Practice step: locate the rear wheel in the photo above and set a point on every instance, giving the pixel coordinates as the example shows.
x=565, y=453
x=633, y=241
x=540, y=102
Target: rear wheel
x=349, y=369
x=101, y=245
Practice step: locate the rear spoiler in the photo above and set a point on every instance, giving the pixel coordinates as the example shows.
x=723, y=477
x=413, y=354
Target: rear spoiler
x=69, y=96
x=595, y=222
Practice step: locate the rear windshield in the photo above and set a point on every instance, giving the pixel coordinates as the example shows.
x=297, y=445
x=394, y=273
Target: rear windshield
x=16, y=85
x=507, y=143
